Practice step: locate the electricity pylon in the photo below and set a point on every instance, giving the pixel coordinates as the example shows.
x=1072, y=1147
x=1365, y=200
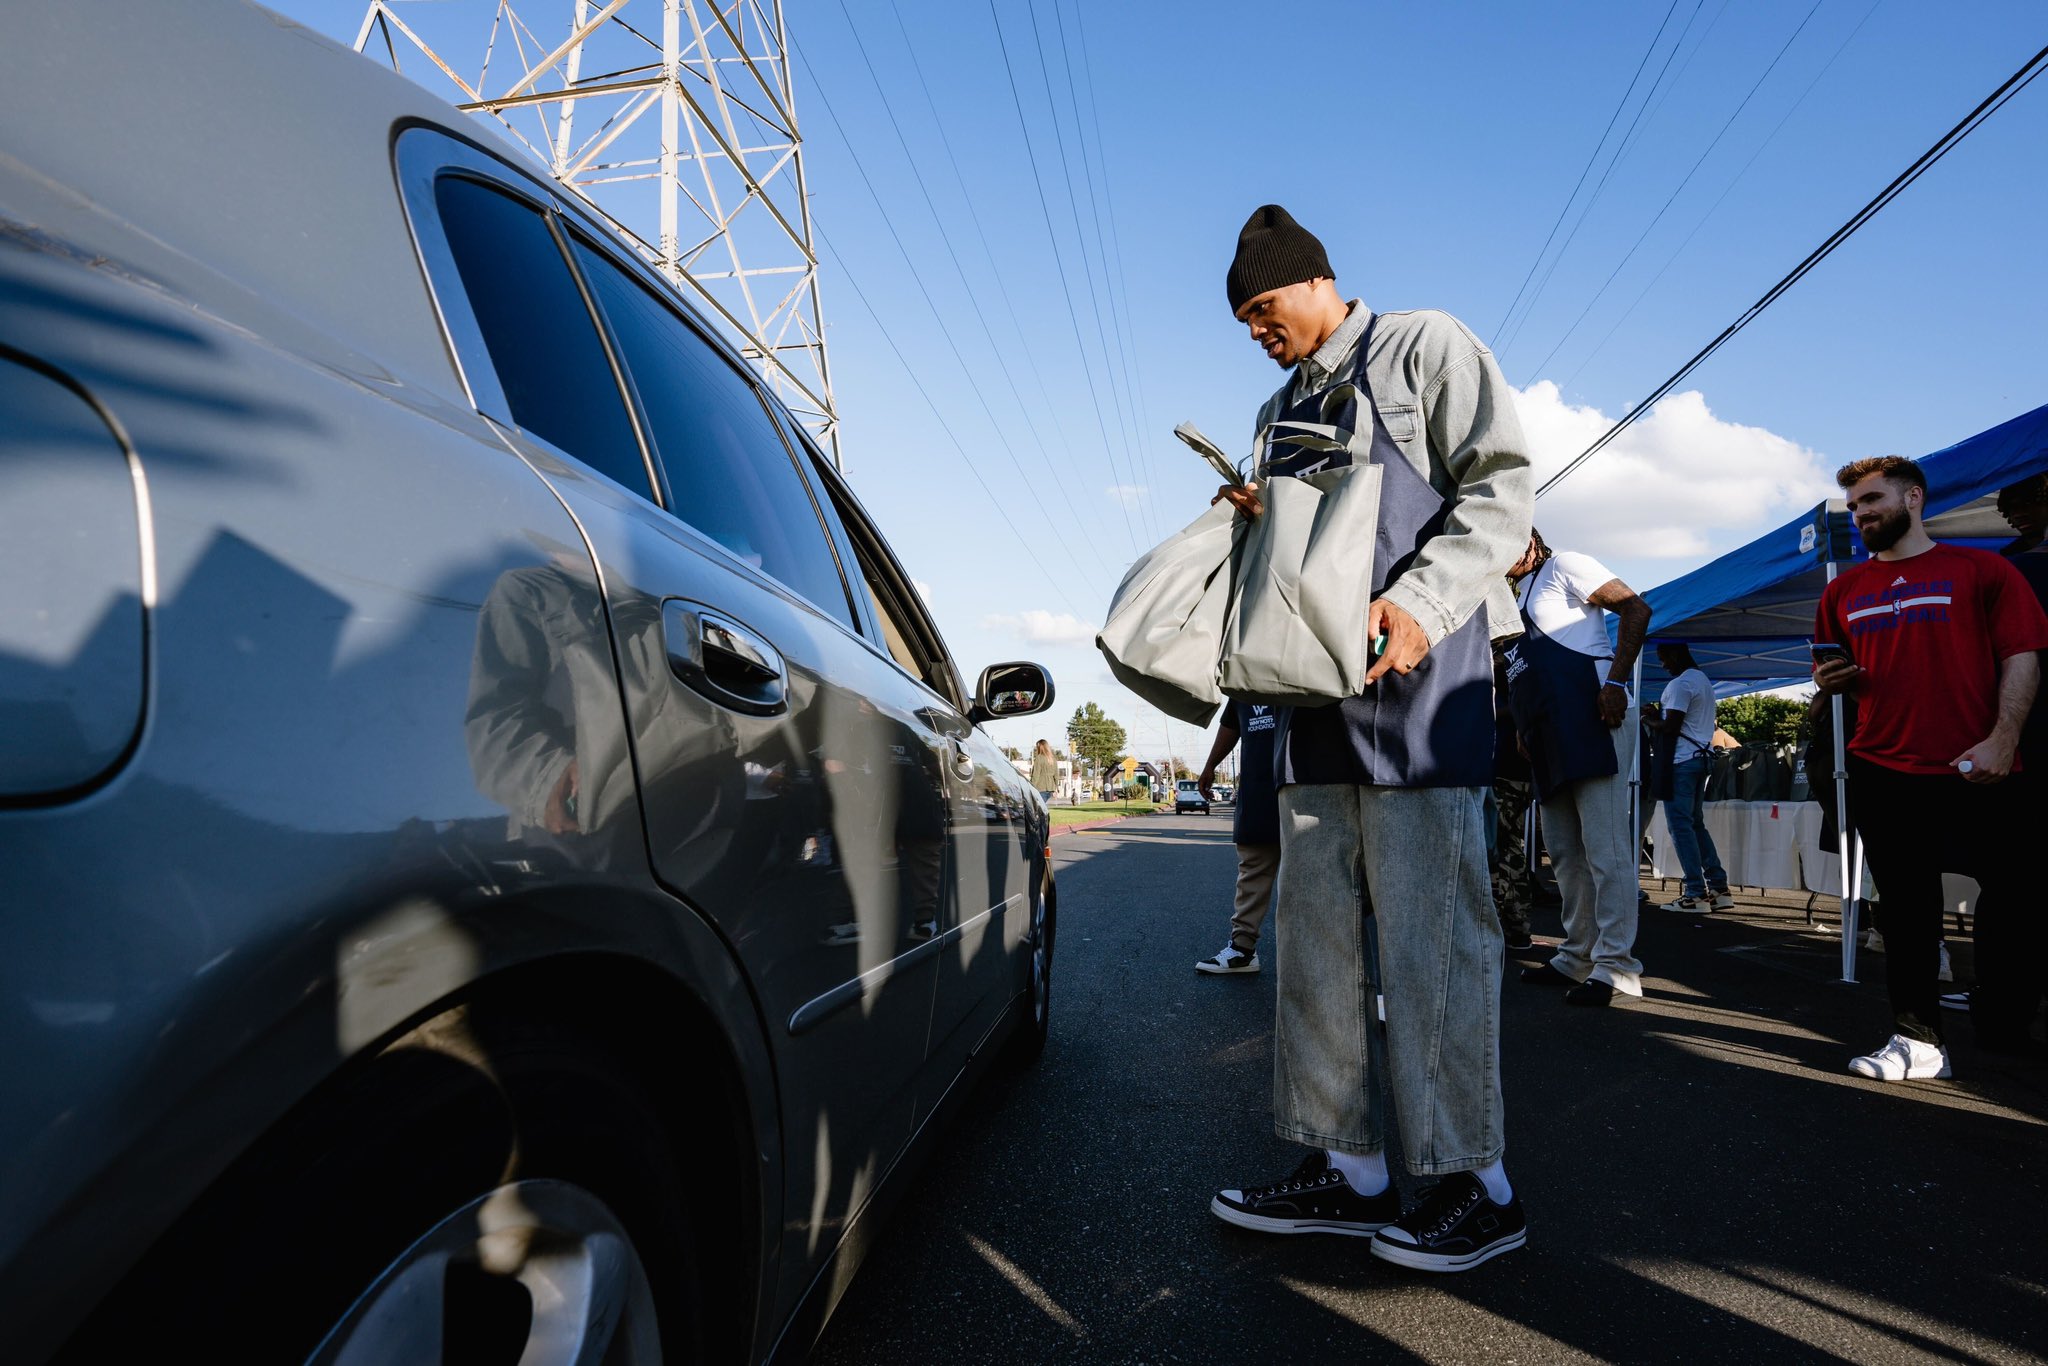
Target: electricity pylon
x=672, y=114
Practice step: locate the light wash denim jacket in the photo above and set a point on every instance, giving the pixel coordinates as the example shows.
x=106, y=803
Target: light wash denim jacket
x=1444, y=402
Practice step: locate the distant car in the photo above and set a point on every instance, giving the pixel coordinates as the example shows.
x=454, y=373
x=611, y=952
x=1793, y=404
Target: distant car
x=1187, y=796
x=496, y=861
x=1225, y=794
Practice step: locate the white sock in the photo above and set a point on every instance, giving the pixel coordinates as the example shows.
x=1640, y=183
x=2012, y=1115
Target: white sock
x=1494, y=1176
x=1365, y=1173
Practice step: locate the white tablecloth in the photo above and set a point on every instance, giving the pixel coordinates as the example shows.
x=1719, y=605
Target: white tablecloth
x=1773, y=844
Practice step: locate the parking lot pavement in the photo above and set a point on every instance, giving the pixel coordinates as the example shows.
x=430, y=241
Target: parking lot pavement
x=1704, y=1181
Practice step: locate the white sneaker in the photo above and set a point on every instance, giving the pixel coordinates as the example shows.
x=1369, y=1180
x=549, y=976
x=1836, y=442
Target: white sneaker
x=1902, y=1059
x=1722, y=901
x=1229, y=961
x=1689, y=905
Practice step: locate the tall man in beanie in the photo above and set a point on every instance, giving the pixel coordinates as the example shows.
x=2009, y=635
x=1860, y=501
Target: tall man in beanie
x=1382, y=795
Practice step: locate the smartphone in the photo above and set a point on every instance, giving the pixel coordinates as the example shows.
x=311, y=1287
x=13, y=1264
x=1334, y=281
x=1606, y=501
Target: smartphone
x=1825, y=651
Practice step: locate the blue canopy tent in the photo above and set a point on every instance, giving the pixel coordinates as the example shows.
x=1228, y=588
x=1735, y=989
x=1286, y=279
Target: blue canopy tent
x=1748, y=616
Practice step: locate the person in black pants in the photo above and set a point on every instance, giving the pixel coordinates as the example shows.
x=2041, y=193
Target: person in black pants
x=1940, y=645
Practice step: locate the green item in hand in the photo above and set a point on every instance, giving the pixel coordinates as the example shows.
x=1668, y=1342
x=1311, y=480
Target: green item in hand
x=1379, y=645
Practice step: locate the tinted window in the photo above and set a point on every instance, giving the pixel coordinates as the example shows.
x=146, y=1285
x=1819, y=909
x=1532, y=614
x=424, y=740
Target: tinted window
x=729, y=475
x=911, y=641
x=543, y=344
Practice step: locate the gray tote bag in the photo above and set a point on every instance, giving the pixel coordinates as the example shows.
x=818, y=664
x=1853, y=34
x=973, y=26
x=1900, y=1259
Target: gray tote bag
x=1165, y=624
x=1295, y=633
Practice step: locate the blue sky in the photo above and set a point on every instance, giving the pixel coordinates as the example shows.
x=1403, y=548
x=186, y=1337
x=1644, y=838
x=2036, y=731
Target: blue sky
x=1431, y=147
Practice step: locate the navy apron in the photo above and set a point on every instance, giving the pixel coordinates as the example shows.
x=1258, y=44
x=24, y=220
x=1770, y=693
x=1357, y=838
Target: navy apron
x=1664, y=767
x=1432, y=727
x=1555, y=693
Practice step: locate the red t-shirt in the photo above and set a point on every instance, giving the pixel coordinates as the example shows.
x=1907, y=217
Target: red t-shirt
x=1929, y=632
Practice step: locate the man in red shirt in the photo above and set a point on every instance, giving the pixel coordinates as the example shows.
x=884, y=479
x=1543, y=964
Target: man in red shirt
x=1940, y=643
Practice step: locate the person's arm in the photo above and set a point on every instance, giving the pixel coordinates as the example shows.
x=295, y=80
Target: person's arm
x=1672, y=723
x=1468, y=413
x=1634, y=614
x=1990, y=759
x=1226, y=740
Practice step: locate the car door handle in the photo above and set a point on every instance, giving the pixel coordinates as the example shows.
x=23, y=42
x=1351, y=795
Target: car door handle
x=725, y=661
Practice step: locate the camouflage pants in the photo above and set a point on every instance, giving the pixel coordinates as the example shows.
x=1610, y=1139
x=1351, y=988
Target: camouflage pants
x=1510, y=862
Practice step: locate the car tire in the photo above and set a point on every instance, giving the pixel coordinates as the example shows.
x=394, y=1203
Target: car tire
x=1027, y=1045
x=467, y=1135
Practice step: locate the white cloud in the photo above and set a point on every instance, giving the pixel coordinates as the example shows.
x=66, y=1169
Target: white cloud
x=1130, y=495
x=1679, y=485
x=924, y=590
x=1040, y=627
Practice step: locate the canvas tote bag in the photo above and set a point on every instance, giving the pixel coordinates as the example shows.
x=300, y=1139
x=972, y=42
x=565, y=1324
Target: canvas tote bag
x=1165, y=626
x=1295, y=632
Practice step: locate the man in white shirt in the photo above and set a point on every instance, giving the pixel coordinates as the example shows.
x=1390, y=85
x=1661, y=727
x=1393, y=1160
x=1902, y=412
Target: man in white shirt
x=1687, y=732
x=1568, y=685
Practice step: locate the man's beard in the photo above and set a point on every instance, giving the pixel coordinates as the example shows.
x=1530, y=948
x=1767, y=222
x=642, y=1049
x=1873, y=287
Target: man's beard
x=1890, y=529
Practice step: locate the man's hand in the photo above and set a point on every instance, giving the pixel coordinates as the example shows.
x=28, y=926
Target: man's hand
x=1613, y=706
x=1836, y=676
x=1244, y=498
x=1406, y=644
x=557, y=816
x=1989, y=760
x=1208, y=777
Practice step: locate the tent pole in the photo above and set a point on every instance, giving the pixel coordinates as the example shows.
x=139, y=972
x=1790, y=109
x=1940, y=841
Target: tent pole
x=1635, y=773
x=1842, y=834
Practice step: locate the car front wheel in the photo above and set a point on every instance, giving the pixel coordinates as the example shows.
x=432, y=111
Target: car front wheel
x=486, y=1189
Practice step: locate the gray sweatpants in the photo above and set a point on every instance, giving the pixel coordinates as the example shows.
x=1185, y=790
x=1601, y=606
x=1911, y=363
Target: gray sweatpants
x=1416, y=859
x=1587, y=831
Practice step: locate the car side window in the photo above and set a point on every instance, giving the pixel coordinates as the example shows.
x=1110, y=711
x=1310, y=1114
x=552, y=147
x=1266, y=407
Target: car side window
x=907, y=633
x=544, y=345
x=729, y=474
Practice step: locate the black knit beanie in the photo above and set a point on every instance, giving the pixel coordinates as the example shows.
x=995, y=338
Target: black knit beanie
x=1274, y=251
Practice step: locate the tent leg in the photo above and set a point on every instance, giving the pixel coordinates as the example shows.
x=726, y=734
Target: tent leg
x=1843, y=838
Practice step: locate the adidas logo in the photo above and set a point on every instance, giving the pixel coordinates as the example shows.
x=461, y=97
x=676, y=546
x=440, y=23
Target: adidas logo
x=1899, y=580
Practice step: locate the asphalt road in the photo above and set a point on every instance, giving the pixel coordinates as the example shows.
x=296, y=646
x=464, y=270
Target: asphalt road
x=1703, y=1181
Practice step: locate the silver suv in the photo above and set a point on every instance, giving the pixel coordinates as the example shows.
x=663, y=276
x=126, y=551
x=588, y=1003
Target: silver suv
x=494, y=856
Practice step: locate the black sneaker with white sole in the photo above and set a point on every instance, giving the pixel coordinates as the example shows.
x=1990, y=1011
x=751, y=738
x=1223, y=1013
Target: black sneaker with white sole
x=1316, y=1199
x=1454, y=1227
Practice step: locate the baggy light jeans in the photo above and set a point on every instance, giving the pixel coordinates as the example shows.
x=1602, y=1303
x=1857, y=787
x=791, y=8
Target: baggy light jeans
x=1587, y=829
x=1416, y=859
x=1257, y=865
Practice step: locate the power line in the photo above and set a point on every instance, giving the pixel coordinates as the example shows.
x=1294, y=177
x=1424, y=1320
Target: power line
x=1770, y=137
x=1108, y=195
x=1081, y=241
x=1652, y=98
x=980, y=231
x=1045, y=456
x=1700, y=161
x=946, y=332
x=1975, y=119
x=1115, y=233
x=940, y=418
x=1059, y=262
x=1111, y=282
x=1586, y=170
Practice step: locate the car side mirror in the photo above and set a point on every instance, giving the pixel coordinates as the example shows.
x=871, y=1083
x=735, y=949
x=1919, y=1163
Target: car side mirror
x=1019, y=689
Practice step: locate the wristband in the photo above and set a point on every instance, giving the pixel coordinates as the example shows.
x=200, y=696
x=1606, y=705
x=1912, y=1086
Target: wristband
x=1615, y=683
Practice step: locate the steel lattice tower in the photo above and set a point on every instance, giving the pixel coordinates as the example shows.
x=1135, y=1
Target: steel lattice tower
x=674, y=114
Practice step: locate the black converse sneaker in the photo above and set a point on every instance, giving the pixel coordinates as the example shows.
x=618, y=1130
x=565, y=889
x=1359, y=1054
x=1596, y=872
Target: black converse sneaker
x=1316, y=1199
x=1454, y=1228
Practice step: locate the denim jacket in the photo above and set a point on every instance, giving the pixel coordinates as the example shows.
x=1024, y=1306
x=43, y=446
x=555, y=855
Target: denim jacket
x=1444, y=402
